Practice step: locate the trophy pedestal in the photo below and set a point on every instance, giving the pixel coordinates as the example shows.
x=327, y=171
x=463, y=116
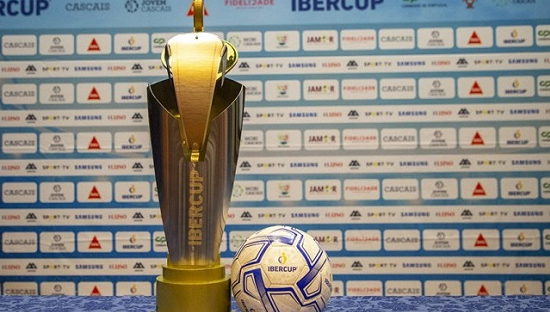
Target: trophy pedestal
x=192, y=289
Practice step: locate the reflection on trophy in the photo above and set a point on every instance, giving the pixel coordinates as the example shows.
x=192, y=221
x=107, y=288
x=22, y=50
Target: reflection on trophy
x=195, y=121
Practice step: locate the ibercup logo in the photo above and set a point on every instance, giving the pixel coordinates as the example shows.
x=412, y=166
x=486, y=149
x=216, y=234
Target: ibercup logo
x=470, y=3
x=284, y=189
x=282, y=39
x=195, y=210
x=523, y=289
x=282, y=88
x=283, y=138
x=283, y=258
x=133, y=239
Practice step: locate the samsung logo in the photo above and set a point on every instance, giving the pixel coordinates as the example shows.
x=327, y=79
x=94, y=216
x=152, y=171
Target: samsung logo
x=528, y=214
x=304, y=165
x=415, y=214
x=303, y=115
x=412, y=113
x=417, y=265
x=88, y=167
x=302, y=65
x=88, y=217
x=523, y=61
x=89, y=266
x=88, y=117
x=88, y=68
x=536, y=265
x=522, y=162
x=413, y=163
x=533, y=111
x=304, y=215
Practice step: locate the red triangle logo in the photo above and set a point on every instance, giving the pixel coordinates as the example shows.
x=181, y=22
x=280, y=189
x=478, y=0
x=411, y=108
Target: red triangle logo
x=476, y=89
x=479, y=191
x=480, y=241
x=191, y=10
x=94, y=46
x=482, y=291
x=94, y=95
x=474, y=39
x=477, y=139
x=94, y=144
x=94, y=244
x=95, y=292
x=94, y=193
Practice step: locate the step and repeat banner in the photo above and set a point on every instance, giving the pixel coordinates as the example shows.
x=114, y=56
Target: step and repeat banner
x=409, y=137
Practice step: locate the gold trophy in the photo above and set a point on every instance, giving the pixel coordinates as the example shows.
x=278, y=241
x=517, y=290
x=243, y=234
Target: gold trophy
x=195, y=120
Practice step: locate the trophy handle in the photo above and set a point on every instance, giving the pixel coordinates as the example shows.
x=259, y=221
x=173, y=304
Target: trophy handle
x=231, y=58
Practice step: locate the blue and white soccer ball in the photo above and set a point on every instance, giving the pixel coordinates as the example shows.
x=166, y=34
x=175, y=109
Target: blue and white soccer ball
x=281, y=269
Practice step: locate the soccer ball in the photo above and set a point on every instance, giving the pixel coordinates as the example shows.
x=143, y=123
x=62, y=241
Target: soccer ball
x=281, y=269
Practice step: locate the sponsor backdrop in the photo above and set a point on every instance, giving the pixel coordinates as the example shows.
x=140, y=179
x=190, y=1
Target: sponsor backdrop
x=409, y=137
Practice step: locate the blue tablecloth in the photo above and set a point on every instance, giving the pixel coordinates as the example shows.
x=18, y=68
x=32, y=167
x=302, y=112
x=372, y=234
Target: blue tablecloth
x=337, y=304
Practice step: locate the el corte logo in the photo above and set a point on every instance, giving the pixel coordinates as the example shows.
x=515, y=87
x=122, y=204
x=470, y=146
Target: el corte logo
x=23, y=7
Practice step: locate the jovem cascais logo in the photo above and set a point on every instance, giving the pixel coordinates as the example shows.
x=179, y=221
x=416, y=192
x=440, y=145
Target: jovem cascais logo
x=148, y=6
x=23, y=7
x=132, y=6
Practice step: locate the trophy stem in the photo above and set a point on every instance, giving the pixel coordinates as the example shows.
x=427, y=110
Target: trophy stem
x=198, y=15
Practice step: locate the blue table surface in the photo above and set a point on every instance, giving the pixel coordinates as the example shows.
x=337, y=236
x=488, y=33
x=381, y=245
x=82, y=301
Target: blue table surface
x=336, y=304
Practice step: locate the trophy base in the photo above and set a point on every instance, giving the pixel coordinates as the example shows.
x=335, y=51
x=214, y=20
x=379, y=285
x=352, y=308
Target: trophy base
x=191, y=289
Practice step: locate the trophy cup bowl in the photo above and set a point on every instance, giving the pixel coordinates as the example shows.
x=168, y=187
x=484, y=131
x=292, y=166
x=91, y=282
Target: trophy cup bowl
x=195, y=121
